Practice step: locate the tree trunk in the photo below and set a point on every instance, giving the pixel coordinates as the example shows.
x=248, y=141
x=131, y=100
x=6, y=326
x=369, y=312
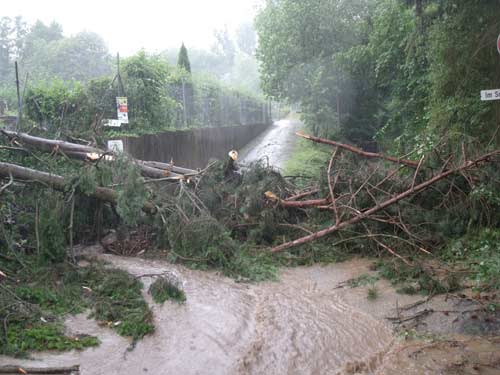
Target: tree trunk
x=59, y=183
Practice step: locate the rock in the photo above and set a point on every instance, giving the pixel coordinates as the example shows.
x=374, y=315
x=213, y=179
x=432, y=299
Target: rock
x=109, y=240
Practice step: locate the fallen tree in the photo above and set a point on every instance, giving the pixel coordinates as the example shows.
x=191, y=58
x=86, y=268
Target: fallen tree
x=56, y=182
x=73, y=370
x=359, y=216
x=76, y=151
x=358, y=151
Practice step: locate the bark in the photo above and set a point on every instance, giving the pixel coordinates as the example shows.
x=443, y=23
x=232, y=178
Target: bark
x=365, y=214
x=358, y=151
x=81, y=152
x=59, y=183
x=302, y=204
x=168, y=167
x=45, y=370
x=49, y=145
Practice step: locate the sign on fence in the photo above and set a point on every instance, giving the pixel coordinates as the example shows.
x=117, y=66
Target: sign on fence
x=490, y=95
x=122, y=109
x=112, y=123
x=115, y=145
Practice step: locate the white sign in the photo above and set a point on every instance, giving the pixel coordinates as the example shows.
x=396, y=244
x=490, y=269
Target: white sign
x=122, y=109
x=490, y=94
x=115, y=145
x=113, y=123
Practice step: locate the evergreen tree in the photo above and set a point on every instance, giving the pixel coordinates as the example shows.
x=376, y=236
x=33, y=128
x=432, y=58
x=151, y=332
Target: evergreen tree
x=183, y=59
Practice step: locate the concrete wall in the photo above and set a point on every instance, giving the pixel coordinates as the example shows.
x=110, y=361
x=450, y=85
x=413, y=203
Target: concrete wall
x=192, y=148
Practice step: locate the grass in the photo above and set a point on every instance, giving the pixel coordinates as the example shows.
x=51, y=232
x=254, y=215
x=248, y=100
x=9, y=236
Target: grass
x=43, y=336
x=372, y=293
x=415, y=278
x=480, y=252
x=33, y=304
x=362, y=280
x=310, y=154
x=163, y=289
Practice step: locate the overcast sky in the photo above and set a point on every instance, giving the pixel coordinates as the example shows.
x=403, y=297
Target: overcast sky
x=128, y=26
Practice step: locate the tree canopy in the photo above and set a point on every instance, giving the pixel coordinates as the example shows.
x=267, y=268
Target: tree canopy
x=383, y=73
x=183, y=59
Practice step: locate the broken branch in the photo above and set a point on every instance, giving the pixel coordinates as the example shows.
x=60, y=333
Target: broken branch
x=358, y=151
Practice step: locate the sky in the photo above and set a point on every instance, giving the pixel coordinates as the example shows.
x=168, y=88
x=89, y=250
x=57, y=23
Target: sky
x=129, y=25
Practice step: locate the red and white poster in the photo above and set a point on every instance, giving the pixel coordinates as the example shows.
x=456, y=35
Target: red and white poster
x=122, y=109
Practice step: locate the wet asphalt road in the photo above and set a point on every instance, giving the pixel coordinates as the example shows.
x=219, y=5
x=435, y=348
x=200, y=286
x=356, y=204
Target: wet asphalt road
x=275, y=144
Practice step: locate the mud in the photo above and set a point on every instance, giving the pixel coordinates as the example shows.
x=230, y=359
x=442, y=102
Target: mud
x=306, y=323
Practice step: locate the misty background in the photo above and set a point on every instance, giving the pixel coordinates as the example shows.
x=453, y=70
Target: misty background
x=79, y=40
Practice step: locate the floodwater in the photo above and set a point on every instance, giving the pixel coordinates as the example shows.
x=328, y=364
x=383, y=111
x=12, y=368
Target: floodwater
x=274, y=145
x=299, y=325
x=308, y=322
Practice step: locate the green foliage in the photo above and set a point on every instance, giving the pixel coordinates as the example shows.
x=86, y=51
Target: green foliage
x=307, y=153
x=132, y=192
x=52, y=234
x=391, y=74
x=362, y=280
x=481, y=253
x=372, y=293
x=415, y=278
x=117, y=299
x=56, y=105
x=163, y=289
x=33, y=306
x=183, y=59
x=146, y=77
x=42, y=337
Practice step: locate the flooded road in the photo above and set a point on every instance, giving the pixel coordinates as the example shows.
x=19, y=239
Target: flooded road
x=300, y=325
x=306, y=323
x=274, y=144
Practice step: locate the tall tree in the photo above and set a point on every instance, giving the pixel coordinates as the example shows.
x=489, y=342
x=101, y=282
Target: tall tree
x=246, y=38
x=183, y=59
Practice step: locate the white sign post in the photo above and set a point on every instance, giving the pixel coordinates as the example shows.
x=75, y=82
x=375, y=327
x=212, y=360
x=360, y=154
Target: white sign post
x=487, y=95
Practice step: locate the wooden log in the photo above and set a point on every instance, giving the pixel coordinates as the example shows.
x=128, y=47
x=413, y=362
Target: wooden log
x=363, y=215
x=168, y=167
x=358, y=151
x=59, y=183
x=43, y=370
x=82, y=152
x=49, y=145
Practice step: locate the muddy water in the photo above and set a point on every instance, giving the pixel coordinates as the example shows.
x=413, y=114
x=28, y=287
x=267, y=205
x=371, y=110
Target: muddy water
x=299, y=325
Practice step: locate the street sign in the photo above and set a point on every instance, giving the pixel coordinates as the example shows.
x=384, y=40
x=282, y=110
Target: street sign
x=113, y=123
x=490, y=95
x=122, y=109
